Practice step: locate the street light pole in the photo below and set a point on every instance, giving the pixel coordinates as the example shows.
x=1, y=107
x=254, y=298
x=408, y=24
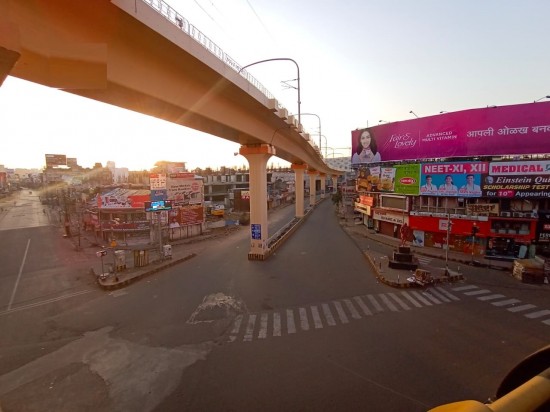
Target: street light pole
x=319, y=119
x=298, y=77
x=542, y=98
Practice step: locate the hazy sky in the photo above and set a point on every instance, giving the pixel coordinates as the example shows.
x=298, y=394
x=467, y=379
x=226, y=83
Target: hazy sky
x=360, y=61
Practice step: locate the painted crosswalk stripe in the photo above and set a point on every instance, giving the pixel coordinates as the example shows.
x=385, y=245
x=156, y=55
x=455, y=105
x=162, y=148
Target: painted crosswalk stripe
x=276, y=324
x=410, y=299
x=328, y=315
x=352, y=310
x=432, y=298
x=304, y=323
x=399, y=301
x=521, y=308
x=538, y=314
x=237, y=325
x=316, y=318
x=375, y=303
x=250, y=328
x=388, y=303
x=263, y=326
x=340, y=311
x=477, y=292
x=421, y=298
x=491, y=297
x=546, y=322
x=506, y=302
x=290, y=326
x=463, y=288
x=439, y=295
x=362, y=305
x=448, y=294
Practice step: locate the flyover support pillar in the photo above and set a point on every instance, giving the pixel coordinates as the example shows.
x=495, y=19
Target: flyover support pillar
x=312, y=187
x=299, y=187
x=323, y=177
x=257, y=157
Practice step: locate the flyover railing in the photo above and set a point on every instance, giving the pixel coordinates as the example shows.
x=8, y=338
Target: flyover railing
x=178, y=20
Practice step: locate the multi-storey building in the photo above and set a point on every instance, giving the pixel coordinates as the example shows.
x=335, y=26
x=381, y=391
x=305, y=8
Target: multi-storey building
x=487, y=193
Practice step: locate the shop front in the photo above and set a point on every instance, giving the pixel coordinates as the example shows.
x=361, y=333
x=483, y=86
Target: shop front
x=510, y=238
x=439, y=229
x=389, y=222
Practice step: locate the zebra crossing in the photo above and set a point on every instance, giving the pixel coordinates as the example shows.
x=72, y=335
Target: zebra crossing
x=512, y=305
x=285, y=322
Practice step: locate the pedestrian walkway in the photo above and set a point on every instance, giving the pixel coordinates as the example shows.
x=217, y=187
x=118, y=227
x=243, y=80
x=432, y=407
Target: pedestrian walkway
x=527, y=310
x=290, y=321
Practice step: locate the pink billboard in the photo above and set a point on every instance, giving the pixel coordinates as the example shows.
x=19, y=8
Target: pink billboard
x=503, y=130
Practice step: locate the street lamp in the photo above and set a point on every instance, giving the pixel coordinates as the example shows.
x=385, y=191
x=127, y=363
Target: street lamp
x=443, y=111
x=542, y=98
x=298, y=77
x=382, y=121
x=414, y=114
x=326, y=144
x=319, y=119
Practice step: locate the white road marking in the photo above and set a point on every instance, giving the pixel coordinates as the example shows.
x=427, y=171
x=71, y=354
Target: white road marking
x=506, y=302
x=262, y=334
x=304, y=323
x=521, y=308
x=250, y=328
x=352, y=310
x=340, y=311
x=538, y=314
x=19, y=275
x=316, y=318
x=328, y=315
x=362, y=305
x=388, y=303
x=491, y=297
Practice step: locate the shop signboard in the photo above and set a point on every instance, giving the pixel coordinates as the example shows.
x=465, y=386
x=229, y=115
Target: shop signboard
x=519, y=179
x=389, y=217
x=482, y=209
x=505, y=130
x=450, y=179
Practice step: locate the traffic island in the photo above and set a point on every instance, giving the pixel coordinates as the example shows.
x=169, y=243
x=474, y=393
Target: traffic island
x=399, y=278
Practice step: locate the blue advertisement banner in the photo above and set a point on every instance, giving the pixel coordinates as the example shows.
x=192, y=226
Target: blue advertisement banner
x=460, y=179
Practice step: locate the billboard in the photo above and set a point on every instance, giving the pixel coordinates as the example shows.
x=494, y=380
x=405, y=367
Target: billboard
x=403, y=179
x=55, y=160
x=461, y=179
x=183, y=189
x=529, y=180
x=504, y=130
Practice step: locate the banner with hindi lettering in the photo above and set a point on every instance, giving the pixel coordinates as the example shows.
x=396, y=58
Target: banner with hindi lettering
x=503, y=130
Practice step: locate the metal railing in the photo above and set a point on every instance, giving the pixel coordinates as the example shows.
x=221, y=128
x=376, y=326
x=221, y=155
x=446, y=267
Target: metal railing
x=178, y=20
x=165, y=10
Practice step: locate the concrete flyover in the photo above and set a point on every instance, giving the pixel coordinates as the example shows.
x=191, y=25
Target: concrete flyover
x=143, y=56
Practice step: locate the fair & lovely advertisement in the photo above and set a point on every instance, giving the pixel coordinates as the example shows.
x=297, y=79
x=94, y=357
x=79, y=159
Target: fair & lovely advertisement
x=503, y=130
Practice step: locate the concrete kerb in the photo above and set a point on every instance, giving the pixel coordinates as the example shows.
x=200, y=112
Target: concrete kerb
x=122, y=279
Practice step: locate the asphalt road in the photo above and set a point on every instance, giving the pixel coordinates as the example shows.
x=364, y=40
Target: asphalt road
x=309, y=329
